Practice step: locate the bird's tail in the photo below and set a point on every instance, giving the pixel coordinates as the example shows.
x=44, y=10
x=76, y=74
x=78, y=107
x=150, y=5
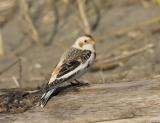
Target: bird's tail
x=46, y=96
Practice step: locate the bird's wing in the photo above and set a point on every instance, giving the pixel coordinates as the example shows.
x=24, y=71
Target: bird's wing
x=70, y=65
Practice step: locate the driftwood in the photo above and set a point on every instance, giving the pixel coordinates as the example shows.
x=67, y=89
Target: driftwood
x=120, y=102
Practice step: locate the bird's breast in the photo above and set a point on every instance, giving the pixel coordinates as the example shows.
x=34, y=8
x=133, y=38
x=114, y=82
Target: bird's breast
x=92, y=58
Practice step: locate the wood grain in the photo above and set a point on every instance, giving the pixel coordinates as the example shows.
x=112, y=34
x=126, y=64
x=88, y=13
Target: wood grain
x=122, y=102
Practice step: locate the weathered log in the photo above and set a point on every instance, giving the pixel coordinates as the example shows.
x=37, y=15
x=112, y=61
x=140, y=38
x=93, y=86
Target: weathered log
x=120, y=102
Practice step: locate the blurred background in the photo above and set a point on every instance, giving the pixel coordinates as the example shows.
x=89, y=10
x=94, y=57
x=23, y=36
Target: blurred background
x=34, y=34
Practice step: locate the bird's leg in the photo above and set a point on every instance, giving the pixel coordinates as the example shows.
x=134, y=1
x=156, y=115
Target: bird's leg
x=75, y=82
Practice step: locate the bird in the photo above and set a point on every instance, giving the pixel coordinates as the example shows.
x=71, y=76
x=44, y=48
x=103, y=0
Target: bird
x=73, y=63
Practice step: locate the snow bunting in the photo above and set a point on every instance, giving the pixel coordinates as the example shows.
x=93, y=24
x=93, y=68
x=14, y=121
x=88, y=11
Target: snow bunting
x=73, y=64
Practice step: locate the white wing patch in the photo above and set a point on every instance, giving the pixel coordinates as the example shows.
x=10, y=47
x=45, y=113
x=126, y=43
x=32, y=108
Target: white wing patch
x=82, y=67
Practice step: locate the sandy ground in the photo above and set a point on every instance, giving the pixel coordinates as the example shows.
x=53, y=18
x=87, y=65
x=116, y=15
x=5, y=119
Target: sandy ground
x=115, y=15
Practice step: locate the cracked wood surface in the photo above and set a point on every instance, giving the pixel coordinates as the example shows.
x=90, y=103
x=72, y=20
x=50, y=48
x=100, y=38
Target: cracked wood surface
x=121, y=102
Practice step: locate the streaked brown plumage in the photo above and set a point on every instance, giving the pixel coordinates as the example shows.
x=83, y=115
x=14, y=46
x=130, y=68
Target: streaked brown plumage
x=73, y=63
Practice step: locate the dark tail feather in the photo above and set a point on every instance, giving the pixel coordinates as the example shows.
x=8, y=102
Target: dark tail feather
x=46, y=96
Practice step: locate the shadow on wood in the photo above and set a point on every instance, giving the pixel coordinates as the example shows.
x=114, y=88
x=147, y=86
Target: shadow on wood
x=19, y=100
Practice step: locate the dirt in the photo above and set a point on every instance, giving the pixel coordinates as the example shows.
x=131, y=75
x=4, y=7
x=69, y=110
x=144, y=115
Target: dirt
x=39, y=61
x=18, y=100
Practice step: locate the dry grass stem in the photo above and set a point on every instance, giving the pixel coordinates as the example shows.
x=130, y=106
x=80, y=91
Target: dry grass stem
x=1, y=44
x=6, y=5
x=9, y=66
x=142, y=24
x=81, y=6
x=16, y=81
x=20, y=71
x=32, y=31
x=116, y=61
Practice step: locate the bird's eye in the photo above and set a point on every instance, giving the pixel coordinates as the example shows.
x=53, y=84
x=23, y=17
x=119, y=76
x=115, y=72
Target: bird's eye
x=85, y=41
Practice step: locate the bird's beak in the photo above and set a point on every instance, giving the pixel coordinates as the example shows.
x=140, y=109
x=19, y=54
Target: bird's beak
x=93, y=42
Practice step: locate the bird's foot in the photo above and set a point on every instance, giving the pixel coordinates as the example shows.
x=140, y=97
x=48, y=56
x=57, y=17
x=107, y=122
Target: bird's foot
x=78, y=83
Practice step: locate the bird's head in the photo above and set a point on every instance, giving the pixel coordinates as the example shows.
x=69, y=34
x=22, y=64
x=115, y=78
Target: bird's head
x=85, y=42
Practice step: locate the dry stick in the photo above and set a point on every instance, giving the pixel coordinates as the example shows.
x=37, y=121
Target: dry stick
x=27, y=18
x=83, y=15
x=19, y=51
x=20, y=72
x=104, y=64
x=142, y=24
x=18, y=83
x=6, y=4
x=8, y=67
x=53, y=7
x=1, y=44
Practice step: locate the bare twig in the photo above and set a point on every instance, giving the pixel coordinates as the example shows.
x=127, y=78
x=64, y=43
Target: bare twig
x=98, y=15
x=1, y=44
x=20, y=71
x=53, y=7
x=102, y=76
x=16, y=81
x=81, y=6
x=9, y=66
x=33, y=91
x=128, y=54
x=28, y=20
x=6, y=5
x=108, y=63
